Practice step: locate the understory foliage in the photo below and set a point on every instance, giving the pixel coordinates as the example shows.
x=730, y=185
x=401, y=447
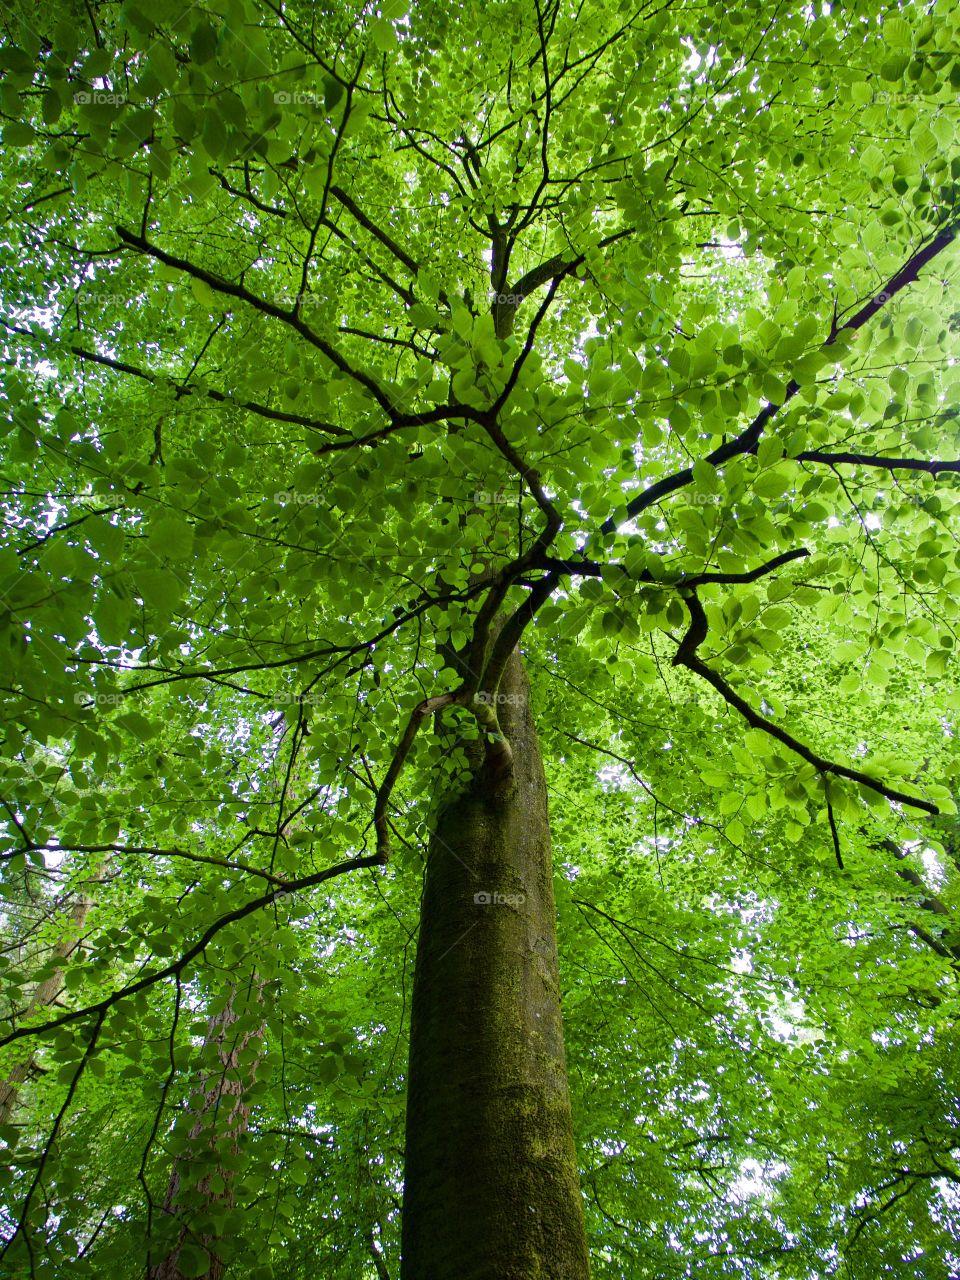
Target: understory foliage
x=332, y=332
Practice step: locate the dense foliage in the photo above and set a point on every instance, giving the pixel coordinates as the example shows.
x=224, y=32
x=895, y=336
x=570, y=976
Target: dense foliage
x=332, y=331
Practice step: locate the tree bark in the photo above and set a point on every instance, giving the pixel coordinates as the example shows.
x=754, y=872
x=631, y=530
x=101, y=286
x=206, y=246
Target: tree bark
x=491, y=1184
x=45, y=994
x=222, y=1116
x=223, y=1113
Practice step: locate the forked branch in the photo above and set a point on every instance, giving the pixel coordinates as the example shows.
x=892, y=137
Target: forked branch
x=687, y=656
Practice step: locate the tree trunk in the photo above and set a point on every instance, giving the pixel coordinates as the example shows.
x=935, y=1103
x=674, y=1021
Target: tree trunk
x=222, y=1116
x=491, y=1185
x=223, y=1113
x=45, y=994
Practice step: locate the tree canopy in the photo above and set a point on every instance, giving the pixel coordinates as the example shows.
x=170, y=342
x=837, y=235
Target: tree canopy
x=338, y=338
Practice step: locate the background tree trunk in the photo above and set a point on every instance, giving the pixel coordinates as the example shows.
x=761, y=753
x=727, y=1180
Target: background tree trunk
x=223, y=1115
x=491, y=1184
x=45, y=994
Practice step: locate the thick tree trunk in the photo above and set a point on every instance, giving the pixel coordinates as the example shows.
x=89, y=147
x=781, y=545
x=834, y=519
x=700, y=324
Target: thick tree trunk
x=491, y=1185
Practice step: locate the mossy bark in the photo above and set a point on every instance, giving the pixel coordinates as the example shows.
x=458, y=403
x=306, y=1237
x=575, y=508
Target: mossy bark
x=491, y=1185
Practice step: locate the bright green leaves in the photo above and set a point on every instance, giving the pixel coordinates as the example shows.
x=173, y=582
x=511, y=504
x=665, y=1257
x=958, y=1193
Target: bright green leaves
x=383, y=36
x=138, y=725
x=171, y=537
x=776, y=617
x=269, y=592
x=705, y=479
x=769, y=451
x=159, y=589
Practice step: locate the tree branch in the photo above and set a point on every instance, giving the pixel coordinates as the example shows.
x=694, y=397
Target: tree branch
x=931, y=466
x=183, y=389
x=385, y=790
x=176, y=967
x=387, y=241
x=748, y=439
x=686, y=656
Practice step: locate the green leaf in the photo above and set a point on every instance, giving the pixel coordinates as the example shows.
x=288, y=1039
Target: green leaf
x=424, y=317
x=193, y=1261
x=203, y=42
x=136, y=724
x=383, y=36
x=18, y=135
x=769, y=451
x=172, y=538
x=735, y=831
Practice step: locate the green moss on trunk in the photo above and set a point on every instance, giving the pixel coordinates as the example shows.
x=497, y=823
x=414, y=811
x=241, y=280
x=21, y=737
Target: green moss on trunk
x=491, y=1184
